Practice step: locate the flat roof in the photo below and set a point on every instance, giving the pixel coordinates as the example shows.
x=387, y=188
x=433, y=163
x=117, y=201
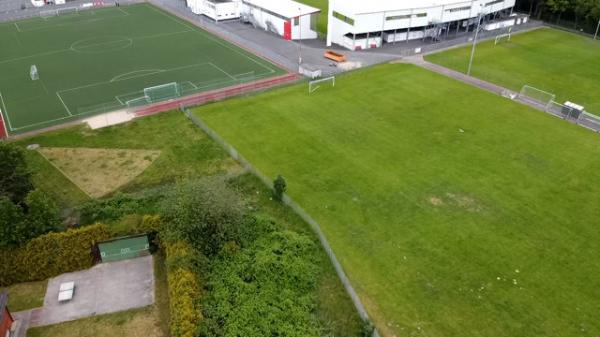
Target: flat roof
x=286, y=8
x=377, y=6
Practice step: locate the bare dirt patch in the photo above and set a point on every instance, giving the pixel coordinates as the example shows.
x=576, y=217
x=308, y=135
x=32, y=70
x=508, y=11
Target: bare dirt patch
x=456, y=200
x=99, y=171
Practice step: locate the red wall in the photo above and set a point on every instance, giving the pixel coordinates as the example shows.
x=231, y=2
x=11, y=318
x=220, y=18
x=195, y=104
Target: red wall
x=6, y=323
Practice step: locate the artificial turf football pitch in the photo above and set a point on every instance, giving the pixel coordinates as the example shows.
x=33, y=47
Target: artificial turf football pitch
x=98, y=60
x=454, y=212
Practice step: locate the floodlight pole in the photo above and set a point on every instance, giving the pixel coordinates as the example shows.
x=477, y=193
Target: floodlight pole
x=597, y=29
x=299, y=38
x=474, y=43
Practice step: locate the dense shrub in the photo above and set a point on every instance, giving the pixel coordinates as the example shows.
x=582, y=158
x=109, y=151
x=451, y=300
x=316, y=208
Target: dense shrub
x=15, y=176
x=50, y=255
x=120, y=205
x=19, y=223
x=184, y=289
x=266, y=289
x=205, y=213
x=279, y=187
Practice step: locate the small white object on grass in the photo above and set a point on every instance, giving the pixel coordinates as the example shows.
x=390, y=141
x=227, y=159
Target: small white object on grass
x=461, y=130
x=33, y=146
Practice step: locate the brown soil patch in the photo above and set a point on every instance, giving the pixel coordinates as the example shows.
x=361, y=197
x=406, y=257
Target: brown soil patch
x=99, y=171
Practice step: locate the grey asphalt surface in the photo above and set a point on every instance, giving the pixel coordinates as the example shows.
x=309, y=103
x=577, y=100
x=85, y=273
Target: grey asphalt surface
x=102, y=289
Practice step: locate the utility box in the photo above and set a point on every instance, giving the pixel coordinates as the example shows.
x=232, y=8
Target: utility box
x=572, y=110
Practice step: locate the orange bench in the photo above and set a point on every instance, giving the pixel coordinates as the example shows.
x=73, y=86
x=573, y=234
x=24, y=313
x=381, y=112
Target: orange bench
x=335, y=56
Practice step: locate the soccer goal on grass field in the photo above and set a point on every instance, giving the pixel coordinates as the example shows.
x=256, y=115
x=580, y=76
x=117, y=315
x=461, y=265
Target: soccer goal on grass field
x=162, y=92
x=316, y=84
x=537, y=95
x=33, y=73
x=59, y=11
x=505, y=37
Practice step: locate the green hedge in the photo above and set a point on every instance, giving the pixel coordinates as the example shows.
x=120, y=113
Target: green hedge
x=50, y=255
x=184, y=289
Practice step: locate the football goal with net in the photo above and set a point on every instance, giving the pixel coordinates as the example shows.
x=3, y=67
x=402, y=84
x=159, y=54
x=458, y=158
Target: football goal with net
x=537, y=96
x=33, y=73
x=316, y=84
x=59, y=11
x=162, y=92
x=505, y=37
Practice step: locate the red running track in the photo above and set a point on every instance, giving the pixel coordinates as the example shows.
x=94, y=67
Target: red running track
x=3, y=132
x=215, y=95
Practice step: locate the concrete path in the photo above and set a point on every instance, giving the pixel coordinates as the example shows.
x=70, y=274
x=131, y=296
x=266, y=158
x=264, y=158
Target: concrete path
x=102, y=289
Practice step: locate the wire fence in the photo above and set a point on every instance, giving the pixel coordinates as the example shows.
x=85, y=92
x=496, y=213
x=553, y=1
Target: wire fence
x=287, y=200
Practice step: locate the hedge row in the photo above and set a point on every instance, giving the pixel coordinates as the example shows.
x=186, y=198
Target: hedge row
x=184, y=289
x=50, y=255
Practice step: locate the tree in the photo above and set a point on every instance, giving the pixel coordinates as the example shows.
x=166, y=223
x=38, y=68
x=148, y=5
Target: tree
x=15, y=177
x=279, y=187
x=42, y=215
x=11, y=223
x=558, y=6
x=205, y=213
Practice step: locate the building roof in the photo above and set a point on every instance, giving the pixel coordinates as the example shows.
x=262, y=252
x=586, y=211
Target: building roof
x=3, y=304
x=286, y=8
x=377, y=6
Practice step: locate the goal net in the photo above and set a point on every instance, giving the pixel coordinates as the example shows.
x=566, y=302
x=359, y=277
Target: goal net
x=33, y=73
x=162, y=92
x=316, y=84
x=504, y=37
x=59, y=11
x=535, y=95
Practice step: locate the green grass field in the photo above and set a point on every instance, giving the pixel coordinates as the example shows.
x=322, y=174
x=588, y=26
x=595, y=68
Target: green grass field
x=563, y=63
x=455, y=212
x=98, y=60
x=323, y=5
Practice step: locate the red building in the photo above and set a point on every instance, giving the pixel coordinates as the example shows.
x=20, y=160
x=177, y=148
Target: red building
x=6, y=319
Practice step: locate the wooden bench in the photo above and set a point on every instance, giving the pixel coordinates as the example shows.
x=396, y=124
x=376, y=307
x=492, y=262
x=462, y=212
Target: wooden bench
x=335, y=56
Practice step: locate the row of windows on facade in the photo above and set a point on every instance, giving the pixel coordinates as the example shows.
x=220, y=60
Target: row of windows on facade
x=350, y=21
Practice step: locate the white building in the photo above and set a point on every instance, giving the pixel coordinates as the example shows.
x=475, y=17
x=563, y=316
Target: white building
x=361, y=24
x=290, y=19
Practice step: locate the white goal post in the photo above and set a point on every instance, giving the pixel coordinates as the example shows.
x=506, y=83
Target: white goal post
x=162, y=92
x=503, y=37
x=59, y=11
x=33, y=73
x=529, y=93
x=316, y=84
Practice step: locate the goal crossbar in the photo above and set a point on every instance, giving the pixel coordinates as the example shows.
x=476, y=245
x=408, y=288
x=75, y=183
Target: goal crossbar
x=540, y=96
x=502, y=36
x=315, y=84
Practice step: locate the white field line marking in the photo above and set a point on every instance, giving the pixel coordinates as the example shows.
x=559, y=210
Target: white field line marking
x=6, y=113
x=214, y=39
x=94, y=19
x=223, y=71
x=69, y=49
x=44, y=86
x=17, y=26
x=63, y=103
x=142, y=72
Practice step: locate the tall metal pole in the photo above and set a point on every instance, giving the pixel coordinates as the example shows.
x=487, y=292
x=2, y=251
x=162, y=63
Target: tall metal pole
x=474, y=43
x=299, y=38
x=597, y=29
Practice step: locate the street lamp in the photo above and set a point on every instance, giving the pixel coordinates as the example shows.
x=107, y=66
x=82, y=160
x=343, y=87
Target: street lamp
x=299, y=37
x=597, y=28
x=474, y=42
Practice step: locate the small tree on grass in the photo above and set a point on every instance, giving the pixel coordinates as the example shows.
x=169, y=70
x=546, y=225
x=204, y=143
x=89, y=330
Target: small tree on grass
x=15, y=177
x=279, y=187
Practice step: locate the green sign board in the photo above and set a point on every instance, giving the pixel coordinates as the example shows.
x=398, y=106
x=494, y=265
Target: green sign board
x=124, y=248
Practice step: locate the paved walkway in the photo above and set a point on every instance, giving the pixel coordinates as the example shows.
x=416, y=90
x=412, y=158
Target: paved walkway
x=102, y=289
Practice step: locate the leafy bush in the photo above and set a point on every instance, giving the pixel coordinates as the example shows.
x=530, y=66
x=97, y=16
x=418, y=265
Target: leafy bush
x=279, y=187
x=50, y=255
x=120, y=205
x=22, y=222
x=15, y=176
x=184, y=289
x=272, y=281
x=205, y=213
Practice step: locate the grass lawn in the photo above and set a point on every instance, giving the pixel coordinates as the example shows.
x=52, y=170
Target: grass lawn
x=146, y=322
x=25, y=296
x=323, y=5
x=454, y=212
x=563, y=63
x=186, y=152
x=99, y=60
